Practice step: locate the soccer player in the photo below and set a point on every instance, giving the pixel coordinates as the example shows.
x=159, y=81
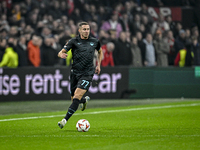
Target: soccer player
x=83, y=47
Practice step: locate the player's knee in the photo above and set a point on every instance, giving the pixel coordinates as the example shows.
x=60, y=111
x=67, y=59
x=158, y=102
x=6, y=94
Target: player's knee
x=79, y=93
x=78, y=96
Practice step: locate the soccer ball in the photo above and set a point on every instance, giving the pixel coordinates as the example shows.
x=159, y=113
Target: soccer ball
x=83, y=125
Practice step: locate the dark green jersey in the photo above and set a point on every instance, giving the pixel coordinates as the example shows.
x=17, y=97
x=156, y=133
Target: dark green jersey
x=83, y=54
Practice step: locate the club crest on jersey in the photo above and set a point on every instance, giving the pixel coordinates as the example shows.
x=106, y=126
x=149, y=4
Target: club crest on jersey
x=91, y=44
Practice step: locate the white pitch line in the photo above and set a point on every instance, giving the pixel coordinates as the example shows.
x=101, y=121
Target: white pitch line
x=85, y=135
x=101, y=112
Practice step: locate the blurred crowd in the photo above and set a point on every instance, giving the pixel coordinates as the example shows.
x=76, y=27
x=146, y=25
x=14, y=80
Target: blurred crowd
x=32, y=32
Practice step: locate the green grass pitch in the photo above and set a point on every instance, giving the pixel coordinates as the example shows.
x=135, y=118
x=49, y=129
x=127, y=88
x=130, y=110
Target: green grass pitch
x=165, y=126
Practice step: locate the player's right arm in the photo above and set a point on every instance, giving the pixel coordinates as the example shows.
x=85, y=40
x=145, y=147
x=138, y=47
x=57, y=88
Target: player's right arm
x=66, y=48
x=62, y=54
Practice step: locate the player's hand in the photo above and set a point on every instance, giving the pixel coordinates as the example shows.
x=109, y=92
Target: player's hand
x=98, y=70
x=62, y=55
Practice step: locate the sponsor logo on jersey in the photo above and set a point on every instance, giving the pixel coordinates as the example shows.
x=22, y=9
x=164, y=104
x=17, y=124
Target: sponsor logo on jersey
x=91, y=44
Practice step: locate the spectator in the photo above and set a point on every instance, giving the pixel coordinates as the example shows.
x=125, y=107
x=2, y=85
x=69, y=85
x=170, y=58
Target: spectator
x=29, y=29
x=177, y=29
x=23, y=11
x=36, y=10
x=128, y=36
x=50, y=20
x=10, y=57
x=55, y=11
x=188, y=36
x=180, y=59
x=136, y=52
x=3, y=44
x=144, y=11
x=14, y=32
x=64, y=21
x=48, y=54
x=94, y=29
x=46, y=33
x=22, y=27
x=74, y=30
x=27, y=35
x=30, y=5
x=124, y=21
x=4, y=34
x=195, y=33
x=103, y=37
x=40, y=26
x=141, y=45
x=180, y=41
x=16, y=11
x=4, y=9
x=54, y=28
x=55, y=43
x=32, y=20
x=160, y=23
x=4, y=23
x=135, y=25
x=108, y=54
x=63, y=8
x=21, y=50
x=102, y=16
x=34, y=51
x=130, y=9
x=71, y=23
x=87, y=16
x=70, y=6
x=112, y=24
x=60, y=30
x=161, y=48
x=118, y=8
x=172, y=24
x=76, y=16
x=146, y=24
x=93, y=13
x=195, y=48
x=150, y=57
x=113, y=36
x=122, y=54
x=172, y=54
x=143, y=30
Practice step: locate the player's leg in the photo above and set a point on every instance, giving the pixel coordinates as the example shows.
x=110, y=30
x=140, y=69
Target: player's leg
x=83, y=99
x=73, y=85
x=74, y=106
x=77, y=94
x=72, y=98
x=84, y=103
x=84, y=83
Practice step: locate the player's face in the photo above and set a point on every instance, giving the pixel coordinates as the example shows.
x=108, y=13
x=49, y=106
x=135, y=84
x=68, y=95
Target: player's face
x=84, y=31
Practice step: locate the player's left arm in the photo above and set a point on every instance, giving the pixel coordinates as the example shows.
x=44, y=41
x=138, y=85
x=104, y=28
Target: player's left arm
x=100, y=57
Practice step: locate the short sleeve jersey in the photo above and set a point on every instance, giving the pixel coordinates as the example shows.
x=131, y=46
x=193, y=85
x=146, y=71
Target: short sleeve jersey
x=83, y=54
